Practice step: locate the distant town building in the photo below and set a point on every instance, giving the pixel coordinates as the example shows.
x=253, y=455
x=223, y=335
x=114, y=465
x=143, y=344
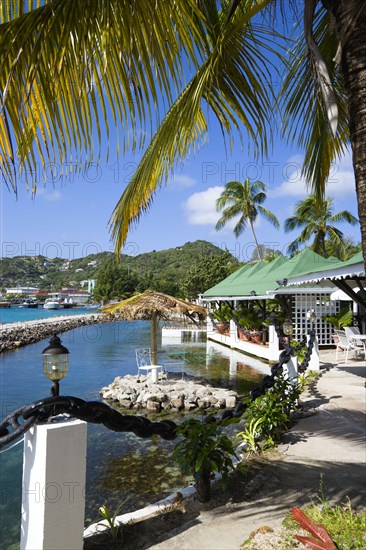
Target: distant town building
x=22, y=290
x=70, y=296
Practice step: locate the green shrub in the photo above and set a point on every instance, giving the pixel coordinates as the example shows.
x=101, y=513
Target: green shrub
x=203, y=451
x=268, y=416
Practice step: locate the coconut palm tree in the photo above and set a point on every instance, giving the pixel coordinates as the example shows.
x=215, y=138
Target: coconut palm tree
x=244, y=200
x=69, y=68
x=316, y=218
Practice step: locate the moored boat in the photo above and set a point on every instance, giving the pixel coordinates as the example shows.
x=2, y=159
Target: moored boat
x=29, y=303
x=50, y=303
x=5, y=304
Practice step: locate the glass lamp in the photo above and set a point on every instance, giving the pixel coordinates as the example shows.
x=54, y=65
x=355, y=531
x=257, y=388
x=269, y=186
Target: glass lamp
x=288, y=328
x=313, y=318
x=55, y=363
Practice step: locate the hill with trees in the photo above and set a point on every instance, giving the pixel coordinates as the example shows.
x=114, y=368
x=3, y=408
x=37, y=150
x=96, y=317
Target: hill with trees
x=164, y=270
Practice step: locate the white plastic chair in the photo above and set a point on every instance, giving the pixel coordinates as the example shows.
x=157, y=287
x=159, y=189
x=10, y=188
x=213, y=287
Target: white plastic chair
x=344, y=344
x=359, y=344
x=143, y=359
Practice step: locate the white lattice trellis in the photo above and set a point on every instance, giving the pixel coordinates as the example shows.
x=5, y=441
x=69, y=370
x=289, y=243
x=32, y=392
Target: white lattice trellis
x=303, y=305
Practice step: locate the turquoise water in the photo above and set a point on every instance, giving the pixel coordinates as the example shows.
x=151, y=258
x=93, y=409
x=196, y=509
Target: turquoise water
x=120, y=467
x=14, y=314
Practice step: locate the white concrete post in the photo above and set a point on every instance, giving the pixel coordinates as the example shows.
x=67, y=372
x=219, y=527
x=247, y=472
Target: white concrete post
x=233, y=332
x=274, y=344
x=314, y=363
x=53, y=499
x=290, y=368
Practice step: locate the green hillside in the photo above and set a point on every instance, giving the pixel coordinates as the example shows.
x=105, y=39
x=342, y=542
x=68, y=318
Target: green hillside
x=163, y=269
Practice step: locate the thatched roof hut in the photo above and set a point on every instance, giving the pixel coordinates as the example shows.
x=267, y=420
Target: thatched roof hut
x=155, y=305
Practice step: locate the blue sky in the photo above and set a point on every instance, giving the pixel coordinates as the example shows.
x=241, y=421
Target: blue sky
x=69, y=217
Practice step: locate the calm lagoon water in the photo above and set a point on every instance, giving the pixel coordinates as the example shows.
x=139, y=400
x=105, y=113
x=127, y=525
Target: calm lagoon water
x=121, y=468
x=19, y=314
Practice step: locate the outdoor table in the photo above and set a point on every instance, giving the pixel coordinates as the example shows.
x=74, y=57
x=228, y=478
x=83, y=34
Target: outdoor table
x=154, y=372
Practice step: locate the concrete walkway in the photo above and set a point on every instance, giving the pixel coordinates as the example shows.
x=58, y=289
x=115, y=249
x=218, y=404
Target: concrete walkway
x=326, y=449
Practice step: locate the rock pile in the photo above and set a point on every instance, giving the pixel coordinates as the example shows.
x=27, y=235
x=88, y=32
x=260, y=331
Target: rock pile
x=15, y=335
x=139, y=392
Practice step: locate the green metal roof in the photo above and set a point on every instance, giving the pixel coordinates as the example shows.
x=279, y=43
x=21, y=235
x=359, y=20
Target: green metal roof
x=263, y=276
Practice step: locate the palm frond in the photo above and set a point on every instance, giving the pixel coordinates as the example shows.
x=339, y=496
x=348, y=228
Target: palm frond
x=269, y=216
x=305, y=120
x=344, y=216
x=230, y=83
x=69, y=68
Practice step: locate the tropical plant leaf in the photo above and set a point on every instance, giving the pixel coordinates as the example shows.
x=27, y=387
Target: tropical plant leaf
x=319, y=531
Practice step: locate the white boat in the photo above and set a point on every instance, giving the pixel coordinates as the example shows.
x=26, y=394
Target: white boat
x=50, y=303
x=29, y=303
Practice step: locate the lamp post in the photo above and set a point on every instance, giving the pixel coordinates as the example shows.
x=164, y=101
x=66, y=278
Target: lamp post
x=288, y=329
x=55, y=363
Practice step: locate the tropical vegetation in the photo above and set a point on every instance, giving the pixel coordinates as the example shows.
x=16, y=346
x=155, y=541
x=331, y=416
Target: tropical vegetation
x=163, y=270
x=75, y=70
x=205, y=273
x=316, y=217
x=204, y=450
x=243, y=202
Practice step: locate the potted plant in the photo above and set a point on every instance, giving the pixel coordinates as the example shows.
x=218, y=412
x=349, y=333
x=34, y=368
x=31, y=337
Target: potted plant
x=204, y=450
x=240, y=318
x=222, y=315
x=255, y=324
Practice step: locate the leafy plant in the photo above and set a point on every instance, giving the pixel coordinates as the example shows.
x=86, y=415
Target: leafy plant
x=114, y=528
x=300, y=352
x=342, y=319
x=322, y=540
x=268, y=416
x=203, y=451
x=248, y=318
x=251, y=434
x=223, y=314
x=340, y=523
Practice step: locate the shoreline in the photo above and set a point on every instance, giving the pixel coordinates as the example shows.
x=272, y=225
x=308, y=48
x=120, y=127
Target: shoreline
x=21, y=333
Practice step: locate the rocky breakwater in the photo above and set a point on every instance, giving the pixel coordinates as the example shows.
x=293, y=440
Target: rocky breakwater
x=169, y=394
x=15, y=335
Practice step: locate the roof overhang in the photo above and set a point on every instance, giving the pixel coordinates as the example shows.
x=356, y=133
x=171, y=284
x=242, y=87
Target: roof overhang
x=344, y=272
x=271, y=294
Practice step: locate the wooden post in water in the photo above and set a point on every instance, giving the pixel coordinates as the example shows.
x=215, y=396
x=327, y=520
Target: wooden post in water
x=53, y=495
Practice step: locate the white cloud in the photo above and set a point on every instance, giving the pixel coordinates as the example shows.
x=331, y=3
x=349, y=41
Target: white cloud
x=182, y=181
x=200, y=207
x=341, y=180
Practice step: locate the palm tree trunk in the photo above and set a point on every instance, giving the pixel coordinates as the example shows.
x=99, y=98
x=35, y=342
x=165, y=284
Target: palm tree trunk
x=255, y=240
x=351, y=26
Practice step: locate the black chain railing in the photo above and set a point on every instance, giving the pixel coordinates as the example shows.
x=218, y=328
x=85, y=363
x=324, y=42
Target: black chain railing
x=22, y=419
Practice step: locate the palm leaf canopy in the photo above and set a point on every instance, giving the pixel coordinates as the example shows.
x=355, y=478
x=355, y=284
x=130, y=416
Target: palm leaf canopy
x=145, y=305
x=76, y=73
